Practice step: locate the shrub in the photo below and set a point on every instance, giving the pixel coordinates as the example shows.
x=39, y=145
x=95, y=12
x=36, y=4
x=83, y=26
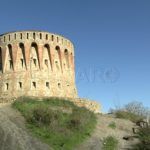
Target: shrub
x=128, y=115
x=110, y=143
x=138, y=109
x=112, y=125
x=144, y=138
x=134, y=111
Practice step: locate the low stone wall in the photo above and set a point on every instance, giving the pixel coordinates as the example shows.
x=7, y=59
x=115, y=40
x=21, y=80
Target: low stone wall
x=81, y=102
x=87, y=103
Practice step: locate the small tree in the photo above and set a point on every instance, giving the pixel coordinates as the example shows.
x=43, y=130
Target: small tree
x=138, y=109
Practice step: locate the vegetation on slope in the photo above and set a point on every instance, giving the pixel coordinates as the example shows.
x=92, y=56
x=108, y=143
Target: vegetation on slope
x=110, y=143
x=57, y=122
x=144, y=138
x=134, y=111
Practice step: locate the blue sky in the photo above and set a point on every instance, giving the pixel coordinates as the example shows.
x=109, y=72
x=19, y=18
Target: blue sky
x=111, y=38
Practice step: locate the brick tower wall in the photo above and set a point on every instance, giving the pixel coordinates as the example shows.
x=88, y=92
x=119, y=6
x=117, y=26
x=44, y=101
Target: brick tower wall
x=35, y=63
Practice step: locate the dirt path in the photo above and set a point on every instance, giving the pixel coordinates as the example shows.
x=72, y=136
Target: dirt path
x=13, y=134
x=123, y=128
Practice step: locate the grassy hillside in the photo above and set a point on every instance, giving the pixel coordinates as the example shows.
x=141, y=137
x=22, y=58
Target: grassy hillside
x=57, y=122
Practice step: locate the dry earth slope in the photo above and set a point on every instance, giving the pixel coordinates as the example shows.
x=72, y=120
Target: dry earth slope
x=14, y=135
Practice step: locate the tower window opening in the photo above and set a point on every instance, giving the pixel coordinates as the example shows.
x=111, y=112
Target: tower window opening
x=9, y=37
x=34, y=61
x=40, y=35
x=22, y=62
x=4, y=39
x=20, y=35
x=10, y=64
x=15, y=36
x=59, y=85
x=46, y=62
x=47, y=85
x=34, y=36
x=20, y=85
x=7, y=87
x=57, y=39
x=34, y=85
x=46, y=36
x=52, y=37
x=27, y=35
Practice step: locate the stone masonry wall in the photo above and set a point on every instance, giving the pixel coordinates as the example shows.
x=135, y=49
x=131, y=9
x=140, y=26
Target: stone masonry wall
x=38, y=64
x=35, y=63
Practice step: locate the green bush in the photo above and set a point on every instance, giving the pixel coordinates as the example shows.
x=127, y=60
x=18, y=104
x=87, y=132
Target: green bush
x=112, y=125
x=128, y=115
x=60, y=129
x=110, y=143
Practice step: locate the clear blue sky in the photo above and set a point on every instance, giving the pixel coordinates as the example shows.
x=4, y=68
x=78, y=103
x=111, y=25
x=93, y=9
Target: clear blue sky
x=111, y=37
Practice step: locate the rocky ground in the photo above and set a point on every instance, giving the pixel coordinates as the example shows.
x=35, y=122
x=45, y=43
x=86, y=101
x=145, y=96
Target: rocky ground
x=15, y=136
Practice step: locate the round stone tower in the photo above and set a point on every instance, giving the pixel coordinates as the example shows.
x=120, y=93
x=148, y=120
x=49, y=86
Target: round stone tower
x=36, y=63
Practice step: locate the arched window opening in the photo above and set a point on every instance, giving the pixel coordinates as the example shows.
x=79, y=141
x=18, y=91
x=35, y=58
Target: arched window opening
x=10, y=58
x=57, y=48
x=47, y=61
x=21, y=55
x=34, y=59
x=59, y=56
x=66, y=57
x=57, y=39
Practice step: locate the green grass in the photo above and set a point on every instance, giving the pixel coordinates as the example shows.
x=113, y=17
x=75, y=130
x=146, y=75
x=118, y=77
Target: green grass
x=112, y=125
x=110, y=143
x=62, y=130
